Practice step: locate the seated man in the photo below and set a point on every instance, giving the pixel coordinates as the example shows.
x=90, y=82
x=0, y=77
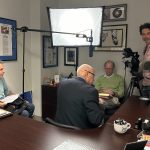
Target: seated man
x=28, y=111
x=77, y=100
x=110, y=83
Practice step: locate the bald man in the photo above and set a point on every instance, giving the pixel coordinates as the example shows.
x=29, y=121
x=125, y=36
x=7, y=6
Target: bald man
x=78, y=101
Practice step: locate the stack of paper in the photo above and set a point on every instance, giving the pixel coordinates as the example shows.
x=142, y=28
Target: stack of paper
x=10, y=99
x=70, y=145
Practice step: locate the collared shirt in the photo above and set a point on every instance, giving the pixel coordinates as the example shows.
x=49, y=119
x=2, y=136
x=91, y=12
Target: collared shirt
x=106, y=76
x=3, y=88
x=146, y=57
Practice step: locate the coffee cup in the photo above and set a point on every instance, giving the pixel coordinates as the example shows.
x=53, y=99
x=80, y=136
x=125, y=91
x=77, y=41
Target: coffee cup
x=121, y=126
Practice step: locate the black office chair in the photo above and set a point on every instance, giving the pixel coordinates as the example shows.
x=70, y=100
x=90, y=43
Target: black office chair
x=50, y=121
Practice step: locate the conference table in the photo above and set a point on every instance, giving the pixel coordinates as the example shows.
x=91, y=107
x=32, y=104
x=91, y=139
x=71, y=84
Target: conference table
x=19, y=133
x=131, y=110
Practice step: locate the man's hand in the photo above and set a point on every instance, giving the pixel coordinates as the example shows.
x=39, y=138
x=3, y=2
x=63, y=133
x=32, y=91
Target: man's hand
x=2, y=104
x=108, y=91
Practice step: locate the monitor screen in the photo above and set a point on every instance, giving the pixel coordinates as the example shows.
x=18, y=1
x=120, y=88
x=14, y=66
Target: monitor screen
x=75, y=26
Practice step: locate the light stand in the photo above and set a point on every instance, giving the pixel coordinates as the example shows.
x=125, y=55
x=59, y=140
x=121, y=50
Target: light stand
x=24, y=29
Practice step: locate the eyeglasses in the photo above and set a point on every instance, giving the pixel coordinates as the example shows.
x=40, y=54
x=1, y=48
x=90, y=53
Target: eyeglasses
x=91, y=73
x=109, y=68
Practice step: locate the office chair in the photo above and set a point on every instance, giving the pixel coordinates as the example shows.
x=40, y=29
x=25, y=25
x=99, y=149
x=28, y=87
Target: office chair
x=50, y=121
x=27, y=96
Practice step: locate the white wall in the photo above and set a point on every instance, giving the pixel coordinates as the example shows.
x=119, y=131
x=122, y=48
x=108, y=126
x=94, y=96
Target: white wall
x=17, y=10
x=35, y=53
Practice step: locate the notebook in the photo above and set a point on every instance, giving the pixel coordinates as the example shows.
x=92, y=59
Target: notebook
x=4, y=113
x=135, y=145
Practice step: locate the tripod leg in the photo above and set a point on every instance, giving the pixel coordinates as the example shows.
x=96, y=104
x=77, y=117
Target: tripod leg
x=138, y=86
x=132, y=88
x=128, y=91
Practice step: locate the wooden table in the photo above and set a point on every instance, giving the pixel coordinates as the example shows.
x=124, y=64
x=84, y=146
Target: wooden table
x=131, y=110
x=19, y=133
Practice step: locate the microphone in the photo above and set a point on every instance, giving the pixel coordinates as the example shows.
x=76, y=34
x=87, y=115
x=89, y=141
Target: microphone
x=91, y=48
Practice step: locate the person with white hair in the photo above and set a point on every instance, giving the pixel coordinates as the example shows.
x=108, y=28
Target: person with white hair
x=78, y=100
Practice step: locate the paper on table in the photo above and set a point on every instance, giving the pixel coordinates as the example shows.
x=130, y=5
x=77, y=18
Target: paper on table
x=70, y=145
x=10, y=98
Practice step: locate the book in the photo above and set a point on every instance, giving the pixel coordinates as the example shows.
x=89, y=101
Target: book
x=104, y=95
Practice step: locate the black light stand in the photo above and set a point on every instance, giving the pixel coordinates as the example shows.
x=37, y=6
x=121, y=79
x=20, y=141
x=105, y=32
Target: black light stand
x=24, y=29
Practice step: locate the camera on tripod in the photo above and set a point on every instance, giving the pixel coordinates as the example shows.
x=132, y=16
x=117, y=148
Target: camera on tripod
x=134, y=63
x=134, y=66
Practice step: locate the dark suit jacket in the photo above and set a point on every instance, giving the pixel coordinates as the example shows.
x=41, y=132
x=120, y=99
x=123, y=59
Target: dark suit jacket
x=78, y=104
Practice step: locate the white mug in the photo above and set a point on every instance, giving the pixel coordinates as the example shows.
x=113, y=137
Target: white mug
x=56, y=78
x=121, y=128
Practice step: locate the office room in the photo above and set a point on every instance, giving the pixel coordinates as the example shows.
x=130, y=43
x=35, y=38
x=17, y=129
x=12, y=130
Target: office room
x=33, y=15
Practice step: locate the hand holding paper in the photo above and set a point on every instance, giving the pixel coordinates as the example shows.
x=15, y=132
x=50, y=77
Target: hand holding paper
x=9, y=99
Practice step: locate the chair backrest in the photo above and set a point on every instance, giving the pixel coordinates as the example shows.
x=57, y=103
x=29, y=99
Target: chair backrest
x=50, y=121
x=27, y=96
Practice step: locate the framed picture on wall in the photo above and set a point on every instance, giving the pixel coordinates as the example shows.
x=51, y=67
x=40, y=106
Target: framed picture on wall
x=50, y=54
x=71, y=56
x=114, y=38
x=8, y=39
x=115, y=13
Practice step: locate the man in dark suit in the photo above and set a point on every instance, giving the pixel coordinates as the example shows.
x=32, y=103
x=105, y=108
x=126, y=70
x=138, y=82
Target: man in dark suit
x=78, y=101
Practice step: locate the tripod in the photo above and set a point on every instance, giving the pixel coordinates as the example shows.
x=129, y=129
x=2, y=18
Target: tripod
x=133, y=83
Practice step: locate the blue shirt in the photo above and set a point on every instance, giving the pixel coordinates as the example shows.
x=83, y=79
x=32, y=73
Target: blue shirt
x=3, y=88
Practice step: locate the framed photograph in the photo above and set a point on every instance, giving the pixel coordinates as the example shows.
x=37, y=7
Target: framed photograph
x=114, y=38
x=71, y=56
x=115, y=13
x=50, y=54
x=8, y=39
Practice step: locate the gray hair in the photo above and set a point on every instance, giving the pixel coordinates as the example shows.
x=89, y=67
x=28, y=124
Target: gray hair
x=83, y=67
x=109, y=61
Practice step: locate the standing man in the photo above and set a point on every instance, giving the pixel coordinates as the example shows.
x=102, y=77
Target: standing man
x=4, y=92
x=145, y=33
x=77, y=100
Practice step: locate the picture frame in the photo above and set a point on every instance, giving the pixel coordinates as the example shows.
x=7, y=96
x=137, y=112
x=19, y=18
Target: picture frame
x=115, y=13
x=114, y=38
x=71, y=56
x=8, y=39
x=50, y=54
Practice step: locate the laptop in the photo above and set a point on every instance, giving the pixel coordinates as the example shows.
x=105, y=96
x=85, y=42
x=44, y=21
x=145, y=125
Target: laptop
x=135, y=145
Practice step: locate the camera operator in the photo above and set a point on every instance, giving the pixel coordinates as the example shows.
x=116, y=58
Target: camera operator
x=145, y=65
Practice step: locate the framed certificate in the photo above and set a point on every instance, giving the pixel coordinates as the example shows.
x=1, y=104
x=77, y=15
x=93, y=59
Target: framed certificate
x=50, y=54
x=8, y=39
x=71, y=56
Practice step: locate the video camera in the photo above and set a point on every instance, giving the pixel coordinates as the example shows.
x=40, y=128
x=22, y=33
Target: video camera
x=134, y=63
